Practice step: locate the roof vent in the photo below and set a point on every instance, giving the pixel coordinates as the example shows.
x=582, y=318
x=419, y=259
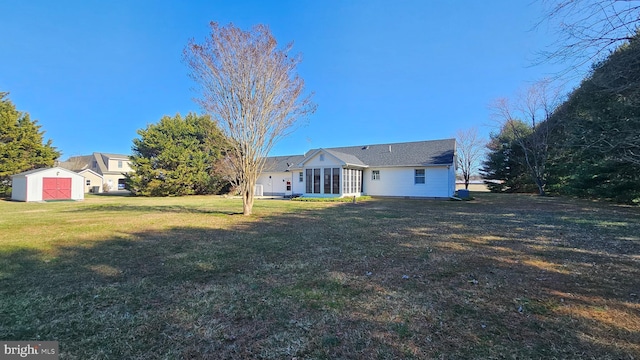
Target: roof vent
x=365, y=147
x=389, y=148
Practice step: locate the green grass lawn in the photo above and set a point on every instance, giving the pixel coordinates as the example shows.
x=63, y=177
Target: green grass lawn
x=503, y=276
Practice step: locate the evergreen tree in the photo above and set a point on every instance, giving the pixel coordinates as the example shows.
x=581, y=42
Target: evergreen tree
x=596, y=150
x=505, y=162
x=21, y=144
x=177, y=157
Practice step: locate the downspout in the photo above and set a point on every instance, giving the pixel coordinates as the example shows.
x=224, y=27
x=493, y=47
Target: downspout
x=449, y=181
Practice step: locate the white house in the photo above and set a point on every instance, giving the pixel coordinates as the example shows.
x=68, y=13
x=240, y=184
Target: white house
x=47, y=184
x=423, y=169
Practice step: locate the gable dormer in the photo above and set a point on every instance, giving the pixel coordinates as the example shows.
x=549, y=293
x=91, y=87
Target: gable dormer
x=330, y=158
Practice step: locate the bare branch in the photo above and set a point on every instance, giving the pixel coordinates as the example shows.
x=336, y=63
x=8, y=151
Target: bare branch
x=469, y=148
x=533, y=107
x=588, y=30
x=251, y=88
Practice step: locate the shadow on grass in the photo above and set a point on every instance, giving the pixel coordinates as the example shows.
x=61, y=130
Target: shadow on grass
x=153, y=208
x=385, y=279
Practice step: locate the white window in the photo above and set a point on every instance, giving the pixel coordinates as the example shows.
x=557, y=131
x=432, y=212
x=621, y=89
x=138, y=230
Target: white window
x=300, y=176
x=419, y=176
x=119, y=164
x=88, y=182
x=375, y=175
x=321, y=157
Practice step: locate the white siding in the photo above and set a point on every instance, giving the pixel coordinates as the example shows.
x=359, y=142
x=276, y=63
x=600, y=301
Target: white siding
x=19, y=188
x=329, y=161
x=30, y=185
x=275, y=183
x=439, y=182
x=452, y=180
x=34, y=185
x=298, y=186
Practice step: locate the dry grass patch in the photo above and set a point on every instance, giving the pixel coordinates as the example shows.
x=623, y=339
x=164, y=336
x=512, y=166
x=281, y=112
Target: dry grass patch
x=501, y=276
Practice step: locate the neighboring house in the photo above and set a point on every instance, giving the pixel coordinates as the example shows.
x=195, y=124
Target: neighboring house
x=100, y=169
x=423, y=169
x=47, y=184
x=93, y=181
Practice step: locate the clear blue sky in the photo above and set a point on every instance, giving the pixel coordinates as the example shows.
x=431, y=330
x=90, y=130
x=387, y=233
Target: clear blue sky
x=94, y=72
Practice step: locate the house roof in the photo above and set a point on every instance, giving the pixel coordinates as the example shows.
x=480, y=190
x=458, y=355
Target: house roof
x=418, y=153
x=348, y=159
x=116, y=156
x=79, y=163
x=282, y=163
x=89, y=171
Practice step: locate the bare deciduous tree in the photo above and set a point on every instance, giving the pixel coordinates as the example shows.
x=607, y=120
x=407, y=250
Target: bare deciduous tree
x=534, y=107
x=252, y=89
x=587, y=30
x=469, y=150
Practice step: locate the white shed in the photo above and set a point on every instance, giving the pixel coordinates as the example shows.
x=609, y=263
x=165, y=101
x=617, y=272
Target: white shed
x=47, y=184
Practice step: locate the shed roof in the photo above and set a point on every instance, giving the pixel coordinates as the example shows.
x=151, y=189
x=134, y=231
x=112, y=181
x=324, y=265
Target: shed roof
x=35, y=171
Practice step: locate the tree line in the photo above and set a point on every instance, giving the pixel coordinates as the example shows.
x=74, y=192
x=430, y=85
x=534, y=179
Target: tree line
x=587, y=145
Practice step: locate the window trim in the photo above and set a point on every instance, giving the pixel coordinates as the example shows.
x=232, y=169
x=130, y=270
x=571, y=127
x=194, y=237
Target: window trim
x=416, y=176
x=375, y=175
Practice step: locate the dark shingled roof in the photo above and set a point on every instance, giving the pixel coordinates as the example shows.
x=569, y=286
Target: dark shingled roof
x=79, y=163
x=282, y=163
x=348, y=159
x=418, y=153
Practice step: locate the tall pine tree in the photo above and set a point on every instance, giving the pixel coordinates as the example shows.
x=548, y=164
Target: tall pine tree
x=505, y=167
x=21, y=144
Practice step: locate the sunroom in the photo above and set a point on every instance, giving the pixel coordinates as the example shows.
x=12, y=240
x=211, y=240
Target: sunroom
x=332, y=174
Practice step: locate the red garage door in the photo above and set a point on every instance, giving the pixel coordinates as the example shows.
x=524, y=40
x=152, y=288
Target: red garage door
x=56, y=188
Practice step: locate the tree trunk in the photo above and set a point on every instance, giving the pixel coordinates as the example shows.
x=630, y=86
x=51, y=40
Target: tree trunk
x=247, y=202
x=541, y=191
x=248, y=193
